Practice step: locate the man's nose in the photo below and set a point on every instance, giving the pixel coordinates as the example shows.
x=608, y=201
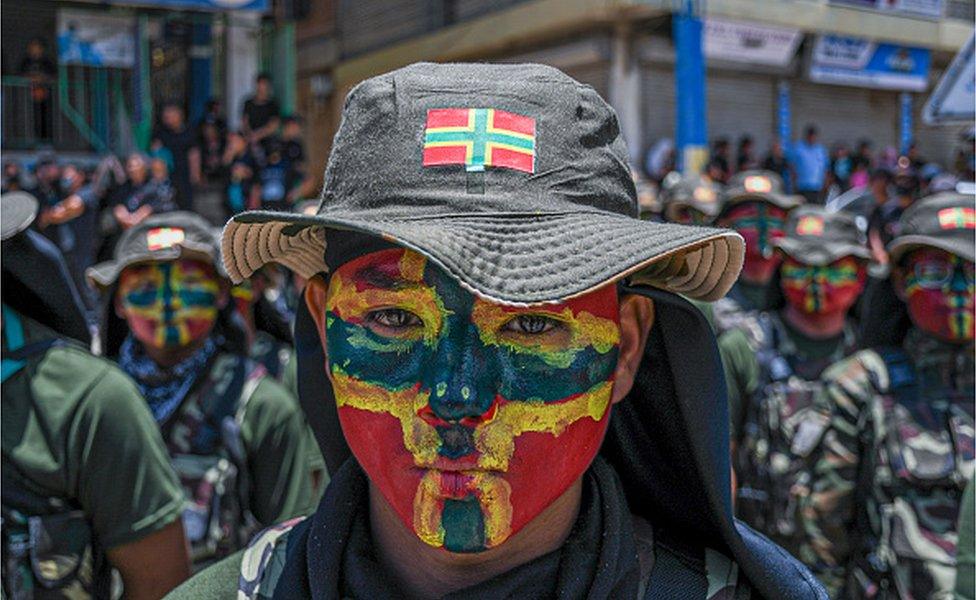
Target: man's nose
x=460, y=379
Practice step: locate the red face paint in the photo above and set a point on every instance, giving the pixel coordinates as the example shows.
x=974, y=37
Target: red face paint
x=169, y=304
x=470, y=417
x=759, y=223
x=823, y=290
x=939, y=291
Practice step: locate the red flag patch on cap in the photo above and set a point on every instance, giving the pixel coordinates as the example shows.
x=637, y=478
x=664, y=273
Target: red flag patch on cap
x=478, y=138
x=957, y=218
x=810, y=225
x=164, y=237
x=757, y=184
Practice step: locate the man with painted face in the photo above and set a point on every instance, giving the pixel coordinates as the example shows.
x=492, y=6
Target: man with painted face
x=690, y=200
x=487, y=351
x=756, y=208
x=884, y=494
x=86, y=483
x=773, y=363
x=235, y=437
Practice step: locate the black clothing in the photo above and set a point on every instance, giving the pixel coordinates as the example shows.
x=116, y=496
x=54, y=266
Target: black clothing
x=180, y=144
x=259, y=114
x=884, y=219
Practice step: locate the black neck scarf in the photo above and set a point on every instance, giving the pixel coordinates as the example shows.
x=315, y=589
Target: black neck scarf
x=331, y=556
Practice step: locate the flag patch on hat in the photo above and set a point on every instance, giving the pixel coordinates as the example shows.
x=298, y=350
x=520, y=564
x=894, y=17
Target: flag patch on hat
x=478, y=138
x=164, y=237
x=957, y=218
x=810, y=225
x=757, y=184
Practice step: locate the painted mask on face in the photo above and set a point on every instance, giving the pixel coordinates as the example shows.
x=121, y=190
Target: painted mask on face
x=939, y=292
x=687, y=215
x=470, y=417
x=169, y=304
x=822, y=290
x=759, y=223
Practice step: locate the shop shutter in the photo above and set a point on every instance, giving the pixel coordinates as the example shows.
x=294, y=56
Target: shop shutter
x=845, y=114
x=657, y=85
x=741, y=104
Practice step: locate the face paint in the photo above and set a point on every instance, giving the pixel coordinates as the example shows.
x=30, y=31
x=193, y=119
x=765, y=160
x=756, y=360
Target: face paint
x=169, y=304
x=470, y=417
x=689, y=216
x=822, y=290
x=759, y=223
x=939, y=290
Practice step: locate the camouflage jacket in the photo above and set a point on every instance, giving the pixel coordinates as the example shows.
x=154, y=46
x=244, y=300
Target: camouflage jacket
x=780, y=431
x=880, y=517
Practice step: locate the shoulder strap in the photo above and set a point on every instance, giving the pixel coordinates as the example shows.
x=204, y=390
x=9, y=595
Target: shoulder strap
x=902, y=378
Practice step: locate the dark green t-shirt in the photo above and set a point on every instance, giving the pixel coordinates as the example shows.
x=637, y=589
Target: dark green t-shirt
x=75, y=427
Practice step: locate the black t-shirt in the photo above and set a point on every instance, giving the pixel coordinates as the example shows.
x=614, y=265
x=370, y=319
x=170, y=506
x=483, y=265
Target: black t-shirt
x=259, y=114
x=885, y=219
x=180, y=143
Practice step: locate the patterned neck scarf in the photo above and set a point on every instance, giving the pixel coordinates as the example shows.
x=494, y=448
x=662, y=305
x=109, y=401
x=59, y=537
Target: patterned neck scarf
x=163, y=389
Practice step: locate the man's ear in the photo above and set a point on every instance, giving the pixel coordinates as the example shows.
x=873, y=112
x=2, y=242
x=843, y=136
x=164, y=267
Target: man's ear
x=315, y=294
x=117, y=303
x=636, y=319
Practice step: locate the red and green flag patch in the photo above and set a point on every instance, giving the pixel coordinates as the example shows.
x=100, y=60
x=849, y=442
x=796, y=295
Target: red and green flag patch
x=478, y=138
x=957, y=218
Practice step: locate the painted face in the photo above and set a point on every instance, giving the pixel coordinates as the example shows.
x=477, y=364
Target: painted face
x=821, y=290
x=169, y=304
x=939, y=293
x=687, y=215
x=470, y=417
x=759, y=223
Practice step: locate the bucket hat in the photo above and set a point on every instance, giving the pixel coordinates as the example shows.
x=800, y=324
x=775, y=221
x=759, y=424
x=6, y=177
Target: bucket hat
x=159, y=238
x=818, y=237
x=512, y=178
x=19, y=211
x=946, y=221
x=759, y=186
x=692, y=191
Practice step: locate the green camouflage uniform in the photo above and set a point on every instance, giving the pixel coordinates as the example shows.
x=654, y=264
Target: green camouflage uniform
x=884, y=496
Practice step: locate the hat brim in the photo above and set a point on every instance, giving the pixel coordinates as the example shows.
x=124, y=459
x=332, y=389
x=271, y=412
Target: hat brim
x=820, y=254
x=515, y=259
x=903, y=244
x=784, y=201
x=105, y=274
x=19, y=211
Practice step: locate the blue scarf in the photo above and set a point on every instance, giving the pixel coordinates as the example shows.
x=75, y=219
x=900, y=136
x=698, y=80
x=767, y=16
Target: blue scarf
x=163, y=389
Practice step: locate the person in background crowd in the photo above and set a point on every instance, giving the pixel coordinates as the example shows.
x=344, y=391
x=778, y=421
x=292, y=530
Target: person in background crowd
x=913, y=155
x=213, y=115
x=810, y=162
x=293, y=151
x=659, y=160
x=260, y=115
x=694, y=200
x=162, y=187
x=141, y=195
x=898, y=449
x=886, y=218
x=841, y=167
x=87, y=486
x=275, y=179
x=176, y=136
x=12, y=177
x=773, y=361
x=744, y=158
x=964, y=163
x=79, y=212
x=720, y=163
x=212, y=146
x=863, y=155
x=240, y=192
x=776, y=162
x=236, y=438
x=861, y=175
x=756, y=207
x=443, y=489
x=38, y=67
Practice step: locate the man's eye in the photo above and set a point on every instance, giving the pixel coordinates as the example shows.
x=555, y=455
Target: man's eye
x=394, y=318
x=530, y=324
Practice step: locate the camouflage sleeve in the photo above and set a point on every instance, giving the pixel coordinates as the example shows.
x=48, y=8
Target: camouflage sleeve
x=276, y=441
x=741, y=376
x=827, y=512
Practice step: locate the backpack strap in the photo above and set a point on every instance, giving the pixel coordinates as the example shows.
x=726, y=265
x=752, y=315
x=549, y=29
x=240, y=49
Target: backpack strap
x=902, y=377
x=17, y=353
x=681, y=572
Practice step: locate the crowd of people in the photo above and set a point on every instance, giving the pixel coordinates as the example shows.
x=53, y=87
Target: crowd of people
x=508, y=388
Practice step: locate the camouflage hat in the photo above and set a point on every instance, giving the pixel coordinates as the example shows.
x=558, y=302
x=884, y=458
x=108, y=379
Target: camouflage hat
x=816, y=236
x=759, y=186
x=692, y=191
x=160, y=238
x=946, y=221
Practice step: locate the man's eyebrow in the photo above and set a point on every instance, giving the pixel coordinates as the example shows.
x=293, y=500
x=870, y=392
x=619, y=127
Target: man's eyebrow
x=380, y=278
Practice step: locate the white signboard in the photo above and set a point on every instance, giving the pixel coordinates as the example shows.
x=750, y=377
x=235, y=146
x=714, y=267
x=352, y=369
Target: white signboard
x=749, y=43
x=954, y=98
x=843, y=60
x=96, y=39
